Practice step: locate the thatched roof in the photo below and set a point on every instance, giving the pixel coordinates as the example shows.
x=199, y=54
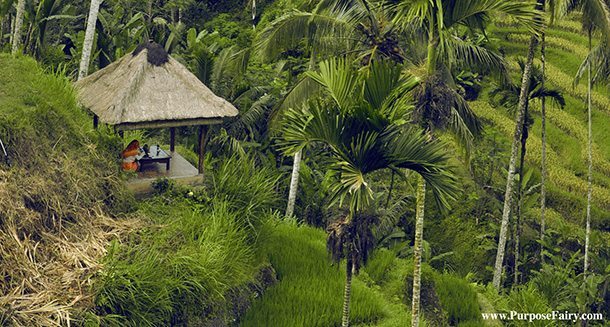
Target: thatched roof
x=148, y=88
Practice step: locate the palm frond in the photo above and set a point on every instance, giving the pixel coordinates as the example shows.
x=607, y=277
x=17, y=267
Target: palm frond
x=556, y=96
x=524, y=12
x=298, y=28
x=382, y=80
x=599, y=59
x=412, y=12
x=410, y=149
x=596, y=15
x=466, y=54
x=338, y=79
x=297, y=96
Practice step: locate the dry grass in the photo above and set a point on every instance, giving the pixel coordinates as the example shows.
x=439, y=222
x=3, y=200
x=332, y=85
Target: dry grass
x=48, y=254
x=59, y=200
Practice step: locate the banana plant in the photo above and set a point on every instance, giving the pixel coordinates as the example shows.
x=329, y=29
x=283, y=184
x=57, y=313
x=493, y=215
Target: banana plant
x=48, y=11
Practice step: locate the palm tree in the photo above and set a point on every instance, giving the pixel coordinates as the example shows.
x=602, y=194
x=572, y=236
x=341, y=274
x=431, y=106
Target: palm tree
x=357, y=27
x=89, y=34
x=17, y=28
x=595, y=16
x=439, y=106
x=517, y=135
x=358, y=123
x=508, y=96
x=360, y=28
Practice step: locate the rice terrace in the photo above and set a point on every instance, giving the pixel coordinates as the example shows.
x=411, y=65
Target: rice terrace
x=305, y=163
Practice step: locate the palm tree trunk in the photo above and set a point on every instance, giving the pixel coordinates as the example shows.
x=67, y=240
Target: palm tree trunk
x=520, y=200
x=11, y=29
x=89, y=34
x=590, y=164
x=387, y=201
x=432, y=45
x=149, y=12
x=294, y=182
x=17, y=29
x=417, y=250
x=543, y=159
x=508, y=195
x=253, y=14
x=349, y=269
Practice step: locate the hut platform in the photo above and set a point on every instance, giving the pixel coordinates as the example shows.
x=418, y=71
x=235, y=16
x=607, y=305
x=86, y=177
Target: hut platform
x=181, y=171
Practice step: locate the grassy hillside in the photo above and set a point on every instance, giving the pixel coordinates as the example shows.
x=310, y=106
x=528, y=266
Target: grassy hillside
x=566, y=128
x=309, y=292
x=56, y=198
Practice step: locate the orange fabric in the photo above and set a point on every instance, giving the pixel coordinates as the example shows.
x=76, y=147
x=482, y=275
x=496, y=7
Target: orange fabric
x=129, y=156
x=130, y=166
x=128, y=153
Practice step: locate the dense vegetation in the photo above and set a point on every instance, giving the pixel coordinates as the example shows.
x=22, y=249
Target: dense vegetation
x=380, y=110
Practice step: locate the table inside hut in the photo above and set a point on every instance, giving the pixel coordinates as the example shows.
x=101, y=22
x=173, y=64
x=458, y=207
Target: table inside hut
x=155, y=154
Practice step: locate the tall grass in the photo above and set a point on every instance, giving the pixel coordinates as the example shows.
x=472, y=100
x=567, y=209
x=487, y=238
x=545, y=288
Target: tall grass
x=246, y=187
x=310, y=289
x=180, y=268
x=458, y=299
x=380, y=264
x=196, y=249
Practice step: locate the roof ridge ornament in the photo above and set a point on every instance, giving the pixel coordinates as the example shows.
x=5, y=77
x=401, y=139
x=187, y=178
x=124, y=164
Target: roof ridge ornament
x=156, y=54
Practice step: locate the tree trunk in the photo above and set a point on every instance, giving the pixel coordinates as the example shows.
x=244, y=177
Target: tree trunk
x=17, y=29
x=149, y=12
x=590, y=164
x=11, y=30
x=520, y=197
x=387, y=202
x=294, y=181
x=432, y=46
x=349, y=270
x=417, y=249
x=543, y=159
x=253, y=14
x=508, y=195
x=89, y=34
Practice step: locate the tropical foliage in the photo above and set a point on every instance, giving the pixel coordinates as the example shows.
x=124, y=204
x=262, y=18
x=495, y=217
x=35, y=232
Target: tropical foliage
x=383, y=110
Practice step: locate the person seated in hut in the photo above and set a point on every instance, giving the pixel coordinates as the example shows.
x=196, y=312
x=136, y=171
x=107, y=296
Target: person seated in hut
x=130, y=156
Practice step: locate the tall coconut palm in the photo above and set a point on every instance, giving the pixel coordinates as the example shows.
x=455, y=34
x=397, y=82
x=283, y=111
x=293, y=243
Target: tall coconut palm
x=89, y=34
x=358, y=122
x=439, y=106
x=358, y=27
x=543, y=151
x=18, y=25
x=508, y=95
x=595, y=16
x=517, y=135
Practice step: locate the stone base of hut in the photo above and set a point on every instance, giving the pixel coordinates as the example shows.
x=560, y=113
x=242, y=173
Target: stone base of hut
x=181, y=172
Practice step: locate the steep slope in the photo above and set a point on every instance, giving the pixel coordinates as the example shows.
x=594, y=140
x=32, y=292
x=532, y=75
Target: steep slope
x=567, y=128
x=56, y=198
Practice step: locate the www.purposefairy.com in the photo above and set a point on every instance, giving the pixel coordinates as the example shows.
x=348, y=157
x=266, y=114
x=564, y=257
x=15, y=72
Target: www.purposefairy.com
x=551, y=316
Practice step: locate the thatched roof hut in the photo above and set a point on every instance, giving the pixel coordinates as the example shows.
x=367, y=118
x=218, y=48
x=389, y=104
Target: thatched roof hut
x=150, y=89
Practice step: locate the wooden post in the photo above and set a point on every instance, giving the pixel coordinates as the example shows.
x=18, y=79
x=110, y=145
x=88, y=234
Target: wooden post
x=95, y=121
x=172, y=138
x=203, y=130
